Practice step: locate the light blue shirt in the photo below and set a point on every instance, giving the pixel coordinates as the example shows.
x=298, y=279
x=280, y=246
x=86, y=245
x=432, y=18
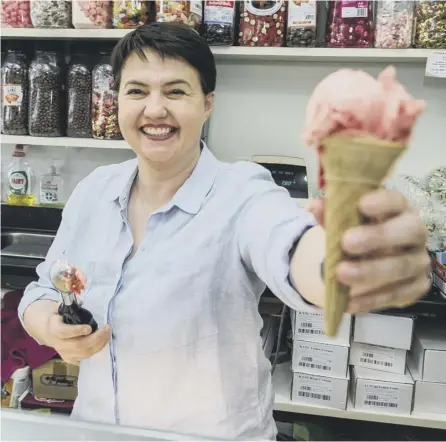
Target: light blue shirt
x=185, y=354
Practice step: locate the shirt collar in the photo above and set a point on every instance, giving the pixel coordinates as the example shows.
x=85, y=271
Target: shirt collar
x=189, y=197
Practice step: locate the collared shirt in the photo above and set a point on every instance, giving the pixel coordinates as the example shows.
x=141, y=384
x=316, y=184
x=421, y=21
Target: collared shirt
x=185, y=353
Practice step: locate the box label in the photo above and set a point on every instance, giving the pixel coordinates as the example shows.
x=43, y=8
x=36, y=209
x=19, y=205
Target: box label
x=314, y=388
x=380, y=396
x=312, y=357
x=373, y=356
x=309, y=324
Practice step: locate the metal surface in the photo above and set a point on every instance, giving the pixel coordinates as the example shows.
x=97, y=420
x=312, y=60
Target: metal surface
x=62, y=275
x=28, y=425
x=25, y=245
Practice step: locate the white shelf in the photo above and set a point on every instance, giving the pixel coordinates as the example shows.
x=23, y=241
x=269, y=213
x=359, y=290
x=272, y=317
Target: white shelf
x=65, y=34
x=238, y=52
x=64, y=142
x=282, y=386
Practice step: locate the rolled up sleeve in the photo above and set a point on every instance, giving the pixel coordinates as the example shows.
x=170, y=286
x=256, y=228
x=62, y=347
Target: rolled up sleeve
x=269, y=227
x=42, y=289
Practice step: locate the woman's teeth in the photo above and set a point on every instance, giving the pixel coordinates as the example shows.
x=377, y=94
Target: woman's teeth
x=157, y=131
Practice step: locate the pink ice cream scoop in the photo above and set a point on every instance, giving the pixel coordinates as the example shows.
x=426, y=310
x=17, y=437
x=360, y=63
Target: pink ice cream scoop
x=353, y=102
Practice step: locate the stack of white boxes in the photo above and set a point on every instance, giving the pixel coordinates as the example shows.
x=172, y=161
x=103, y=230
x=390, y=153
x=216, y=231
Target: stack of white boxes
x=380, y=380
x=427, y=364
x=320, y=363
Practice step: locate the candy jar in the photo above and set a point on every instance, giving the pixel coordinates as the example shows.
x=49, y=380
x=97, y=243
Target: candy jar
x=79, y=97
x=262, y=23
x=104, y=102
x=15, y=94
x=430, y=30
x=51, y=14
x=16, y=14
x=92, y=14
x=350, y=24
x=186, y=12
x=301, y=31
x=394, y=24
x=130, y=14
x=46, y=96
x=219, y=23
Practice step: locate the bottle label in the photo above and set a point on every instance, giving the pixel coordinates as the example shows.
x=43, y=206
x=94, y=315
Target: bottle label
x=351, y=9
x=49, y=193
x=219, y=12
x=177, y=8
x=302, y=14
x=196, y=7
x=102, y=84
x=12, y=95
x=264, y=8
x=18, y=183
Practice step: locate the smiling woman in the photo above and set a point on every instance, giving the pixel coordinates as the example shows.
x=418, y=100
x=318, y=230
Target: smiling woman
x=166, y=92
x=177, y=248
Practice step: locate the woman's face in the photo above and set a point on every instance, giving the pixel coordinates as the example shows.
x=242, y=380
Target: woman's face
x=162, y=108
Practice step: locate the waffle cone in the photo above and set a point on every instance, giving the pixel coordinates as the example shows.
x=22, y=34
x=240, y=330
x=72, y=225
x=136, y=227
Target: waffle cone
x=352, y=168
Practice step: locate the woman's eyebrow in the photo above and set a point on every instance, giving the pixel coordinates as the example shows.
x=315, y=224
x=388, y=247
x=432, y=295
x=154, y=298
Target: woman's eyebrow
x=179, y=81
x=169, y=83
x=136, y=83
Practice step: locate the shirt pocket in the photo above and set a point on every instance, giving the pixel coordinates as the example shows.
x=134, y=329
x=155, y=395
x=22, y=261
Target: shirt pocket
x=176, y=303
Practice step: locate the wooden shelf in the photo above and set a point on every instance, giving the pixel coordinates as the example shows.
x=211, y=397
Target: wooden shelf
x=282, y=386
x=64, y=142
x=238, y=52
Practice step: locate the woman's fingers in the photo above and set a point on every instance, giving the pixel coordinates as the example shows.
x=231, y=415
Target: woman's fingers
x=383, y=271
x=398, y=295
x=80, y=348
x=383, y=204
x=61, y=330
x=404, y=231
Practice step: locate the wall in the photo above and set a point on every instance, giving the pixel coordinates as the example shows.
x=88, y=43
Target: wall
x=260, y=109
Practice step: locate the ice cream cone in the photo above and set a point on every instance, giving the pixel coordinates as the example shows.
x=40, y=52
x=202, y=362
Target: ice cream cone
x=352, y=166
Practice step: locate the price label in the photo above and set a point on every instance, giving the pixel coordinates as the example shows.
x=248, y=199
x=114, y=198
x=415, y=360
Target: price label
x=436, y=64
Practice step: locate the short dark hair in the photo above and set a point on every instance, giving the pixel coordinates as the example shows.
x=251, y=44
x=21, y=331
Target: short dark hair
x=172, y=40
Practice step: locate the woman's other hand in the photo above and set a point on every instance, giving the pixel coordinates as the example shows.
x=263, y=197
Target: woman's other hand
x=74, y=343
x=390, y=263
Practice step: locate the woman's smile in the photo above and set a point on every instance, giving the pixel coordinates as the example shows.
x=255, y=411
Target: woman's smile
x=160, y=132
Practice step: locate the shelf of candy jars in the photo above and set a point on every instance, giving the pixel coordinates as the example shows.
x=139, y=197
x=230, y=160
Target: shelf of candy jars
x=241, y=52
x=83, y=111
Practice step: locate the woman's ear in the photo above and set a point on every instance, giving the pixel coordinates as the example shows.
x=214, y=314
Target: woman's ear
x=209, y=104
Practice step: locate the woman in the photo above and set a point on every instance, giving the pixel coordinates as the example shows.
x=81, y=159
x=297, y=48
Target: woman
x=178, y=247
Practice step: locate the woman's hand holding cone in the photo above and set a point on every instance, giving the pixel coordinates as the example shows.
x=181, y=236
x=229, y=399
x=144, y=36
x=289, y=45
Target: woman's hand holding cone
x=389, y=265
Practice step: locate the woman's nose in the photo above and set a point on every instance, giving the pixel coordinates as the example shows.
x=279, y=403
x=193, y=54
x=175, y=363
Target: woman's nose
x=155, y=107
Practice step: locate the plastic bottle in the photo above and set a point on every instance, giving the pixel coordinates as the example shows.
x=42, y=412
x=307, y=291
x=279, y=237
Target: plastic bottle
x=20, y=177
x=51, y=188
x=15, y=386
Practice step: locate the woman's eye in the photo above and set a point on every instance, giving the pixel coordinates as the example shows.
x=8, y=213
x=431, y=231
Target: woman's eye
x=176, y=92
x=135, y=92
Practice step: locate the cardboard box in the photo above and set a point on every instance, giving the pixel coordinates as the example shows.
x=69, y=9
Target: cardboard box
x=384, y=330
x=55, y=379
x=429, y=353
x=309, y=326
x=381, y=391
x=392, y=360
x=323, y=359
x=320, y=390
x=429, y=397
